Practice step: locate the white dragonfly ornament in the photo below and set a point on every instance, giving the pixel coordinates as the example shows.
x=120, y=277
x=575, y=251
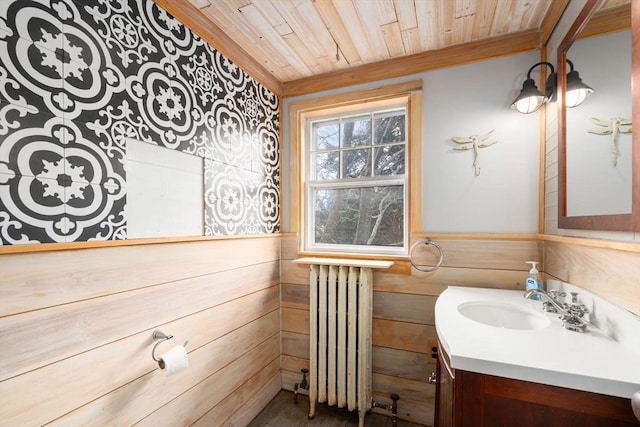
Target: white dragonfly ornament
x=474, y=142
x=612, y=127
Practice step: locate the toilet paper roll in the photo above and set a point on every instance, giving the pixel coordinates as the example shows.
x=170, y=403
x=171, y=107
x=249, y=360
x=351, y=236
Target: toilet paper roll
x=174, y=360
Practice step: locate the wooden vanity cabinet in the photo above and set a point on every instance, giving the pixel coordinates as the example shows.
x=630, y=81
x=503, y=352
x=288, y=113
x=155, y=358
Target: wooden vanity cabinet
x=445, y=391
x=469, y=399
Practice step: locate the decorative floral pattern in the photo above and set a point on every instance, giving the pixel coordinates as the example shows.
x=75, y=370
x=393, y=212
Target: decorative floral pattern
x=77, y=78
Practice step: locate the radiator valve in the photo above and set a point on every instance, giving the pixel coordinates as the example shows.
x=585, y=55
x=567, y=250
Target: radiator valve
x=393, y=407
x=303, y=384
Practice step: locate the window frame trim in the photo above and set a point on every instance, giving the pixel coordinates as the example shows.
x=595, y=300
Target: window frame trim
x=399, y=105
x=300, y=111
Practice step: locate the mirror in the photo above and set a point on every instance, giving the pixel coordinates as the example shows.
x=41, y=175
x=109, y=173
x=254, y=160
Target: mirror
x=598, y=173
x=598, y=131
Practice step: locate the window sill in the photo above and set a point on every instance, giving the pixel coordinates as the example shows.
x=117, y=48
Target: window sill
x=342, y=262
x=401, y=264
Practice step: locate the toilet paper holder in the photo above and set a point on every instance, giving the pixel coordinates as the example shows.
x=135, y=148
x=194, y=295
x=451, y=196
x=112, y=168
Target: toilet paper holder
x=160, y=337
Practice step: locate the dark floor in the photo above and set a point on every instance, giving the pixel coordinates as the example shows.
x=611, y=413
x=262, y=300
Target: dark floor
x=282, y=412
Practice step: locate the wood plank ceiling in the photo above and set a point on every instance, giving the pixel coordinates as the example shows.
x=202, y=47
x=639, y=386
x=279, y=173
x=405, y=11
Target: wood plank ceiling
x=300, y=38
x=293, y=41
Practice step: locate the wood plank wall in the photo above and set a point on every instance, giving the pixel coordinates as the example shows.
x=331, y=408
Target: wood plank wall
x=403, y=313
x=76, y=326
x=613, y=274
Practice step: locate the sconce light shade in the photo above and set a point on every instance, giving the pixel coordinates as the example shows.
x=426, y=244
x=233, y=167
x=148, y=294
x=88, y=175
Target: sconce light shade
x=530, y=98
x=577, y=91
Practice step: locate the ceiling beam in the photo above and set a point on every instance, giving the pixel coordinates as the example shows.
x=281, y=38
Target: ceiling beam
x=191, y=16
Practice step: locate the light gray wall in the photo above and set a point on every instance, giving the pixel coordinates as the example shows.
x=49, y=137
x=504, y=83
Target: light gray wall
x=461, y=101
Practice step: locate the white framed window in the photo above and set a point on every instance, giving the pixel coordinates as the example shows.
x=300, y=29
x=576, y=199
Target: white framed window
x=356, y=183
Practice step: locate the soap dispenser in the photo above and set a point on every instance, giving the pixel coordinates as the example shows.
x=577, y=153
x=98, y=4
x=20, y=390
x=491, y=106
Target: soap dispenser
x=533, y=280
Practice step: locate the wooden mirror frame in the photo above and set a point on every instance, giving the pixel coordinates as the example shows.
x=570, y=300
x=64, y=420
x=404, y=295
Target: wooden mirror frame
x=618, y=222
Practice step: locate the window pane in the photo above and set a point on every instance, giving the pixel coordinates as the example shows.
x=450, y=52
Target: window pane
x=389, y=127
x=389, y=160
x=326, y=165
x=326, y=135
x=356, y=131
x=359, y=216
x=356, y=163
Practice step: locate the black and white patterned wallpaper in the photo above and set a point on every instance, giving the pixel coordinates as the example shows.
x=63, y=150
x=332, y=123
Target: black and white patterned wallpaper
x=79, y=77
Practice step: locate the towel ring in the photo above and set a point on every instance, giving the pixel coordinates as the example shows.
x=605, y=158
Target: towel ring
x=425, y=268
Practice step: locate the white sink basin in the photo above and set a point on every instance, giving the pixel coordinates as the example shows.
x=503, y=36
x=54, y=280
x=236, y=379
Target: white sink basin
x=498, y=332
x=503, y=315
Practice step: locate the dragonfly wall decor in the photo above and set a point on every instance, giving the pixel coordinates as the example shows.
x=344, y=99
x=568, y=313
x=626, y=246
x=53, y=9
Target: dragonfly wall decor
x=474, y=142
x=612, y=127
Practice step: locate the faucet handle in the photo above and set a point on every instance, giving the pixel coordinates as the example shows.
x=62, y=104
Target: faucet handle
x=575, y=311
x=576, y=303
x=574, y=323
x=554, y=293
x=574, y=298
x=576, y=308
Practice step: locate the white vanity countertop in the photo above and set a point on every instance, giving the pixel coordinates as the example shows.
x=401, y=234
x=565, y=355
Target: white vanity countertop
x=591, y=361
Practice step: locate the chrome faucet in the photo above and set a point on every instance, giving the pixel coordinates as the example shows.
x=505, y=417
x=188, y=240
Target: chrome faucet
x=571, y=315
x=555, y=304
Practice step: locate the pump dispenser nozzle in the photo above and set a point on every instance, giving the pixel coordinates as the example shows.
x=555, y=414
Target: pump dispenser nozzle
x=533, y=266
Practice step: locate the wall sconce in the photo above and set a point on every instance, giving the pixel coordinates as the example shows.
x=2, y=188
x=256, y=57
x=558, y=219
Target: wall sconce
x=577, y=91
x=531, y=99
